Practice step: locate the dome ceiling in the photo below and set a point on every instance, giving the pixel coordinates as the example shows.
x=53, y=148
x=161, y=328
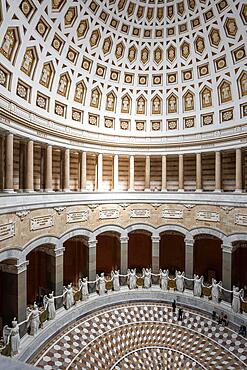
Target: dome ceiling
x=132, y=66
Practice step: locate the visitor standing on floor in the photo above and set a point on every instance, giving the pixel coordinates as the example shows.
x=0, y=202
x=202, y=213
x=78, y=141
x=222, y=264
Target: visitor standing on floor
x=180, y=314
x=174, y=306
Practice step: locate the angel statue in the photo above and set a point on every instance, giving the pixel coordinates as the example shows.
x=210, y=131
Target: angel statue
x=69, y=297
x=83, y=287
x=115, y=280
x=198, y=281
x=164, y=279
x=100, y=283
x=180, y=281
x=147, y=278
x=131, y=278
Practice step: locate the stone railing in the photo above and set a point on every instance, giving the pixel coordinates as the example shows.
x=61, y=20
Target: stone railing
x=38, y=315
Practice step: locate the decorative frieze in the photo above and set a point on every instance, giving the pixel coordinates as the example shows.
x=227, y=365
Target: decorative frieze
x=22, y=214
x=93, y=206
x=80, y=216
x=7, y=231
x=139, y=213
x=172, y=213
x=41, y=222
x=59, y=210
x=241, y=219
x=208, y=216
x=108, y=213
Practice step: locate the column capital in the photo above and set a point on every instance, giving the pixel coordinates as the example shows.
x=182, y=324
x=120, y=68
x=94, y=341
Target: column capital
x=14, y=269
x=155, y=238
x=189, y=242
x=227, y=247
x=124, y=239
x=92, y=243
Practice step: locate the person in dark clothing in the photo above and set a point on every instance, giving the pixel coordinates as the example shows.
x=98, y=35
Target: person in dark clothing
x=242, y=330
x=180, y=314
x=174, y=306
x=214, y=315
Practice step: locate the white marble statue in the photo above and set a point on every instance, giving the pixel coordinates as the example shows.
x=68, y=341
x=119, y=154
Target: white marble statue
x=34, y=320
x=236, y=299
x=115, y=280
x=15, y=338
x=69, y=297
x=198, y=281
x=164, y=279
x=83, y=284
x=49, y=304
x=147, y=278
x=131, y=278
x=101, y=283
x=180, y=281
x=215, y=291
x=6, y=334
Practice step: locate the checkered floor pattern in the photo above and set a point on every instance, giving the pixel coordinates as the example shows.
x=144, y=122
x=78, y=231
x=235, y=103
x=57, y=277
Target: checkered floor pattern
x=143, y=336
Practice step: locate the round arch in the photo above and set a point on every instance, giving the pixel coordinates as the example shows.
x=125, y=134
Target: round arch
x=208, y=254
x=109, y=228
x=171, y=227
x=141, y=227
x=12, y=253
x=75, y=232
x=43, y=240
x=209, y=231
x=172, y=248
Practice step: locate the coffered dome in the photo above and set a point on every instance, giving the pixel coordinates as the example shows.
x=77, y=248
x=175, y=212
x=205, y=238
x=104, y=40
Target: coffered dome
x=147, y=67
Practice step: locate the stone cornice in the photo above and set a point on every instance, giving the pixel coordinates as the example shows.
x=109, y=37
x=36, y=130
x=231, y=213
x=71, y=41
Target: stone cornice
x=14, y=202
x=28, y=125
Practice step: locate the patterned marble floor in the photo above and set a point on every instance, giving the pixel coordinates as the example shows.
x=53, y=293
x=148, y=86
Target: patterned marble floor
x=143, y=336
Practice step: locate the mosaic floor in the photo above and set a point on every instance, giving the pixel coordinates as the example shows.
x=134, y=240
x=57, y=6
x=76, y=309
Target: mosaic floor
x=143, y=336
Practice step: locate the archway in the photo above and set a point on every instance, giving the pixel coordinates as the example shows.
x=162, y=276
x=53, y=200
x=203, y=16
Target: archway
x=208, y=257
x=40, y=273
x=75, y=260
x=107, y=252
x=13, y=291
x=139, y=249
x=239, y=271
x=172, y=251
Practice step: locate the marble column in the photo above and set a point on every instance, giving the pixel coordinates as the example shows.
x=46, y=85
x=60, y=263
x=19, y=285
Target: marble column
x=29, y=169
x=66, y=179
x=164, y=175
x=132, y=173
x=9, y=164
x=147, y=173
x=218, y=171
x=100, y=171
x=83, y=171
x=92, y=243
x=115, y=172
x=181, y=173
x=56, y=273
x=227, y=250
x=124, y=254
x=48, y=169
x=239, y=186
x=155, y=254
x=198, y=172
x=1, y=162
x=15, y=278
x=189, y=257
x=22, y=166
